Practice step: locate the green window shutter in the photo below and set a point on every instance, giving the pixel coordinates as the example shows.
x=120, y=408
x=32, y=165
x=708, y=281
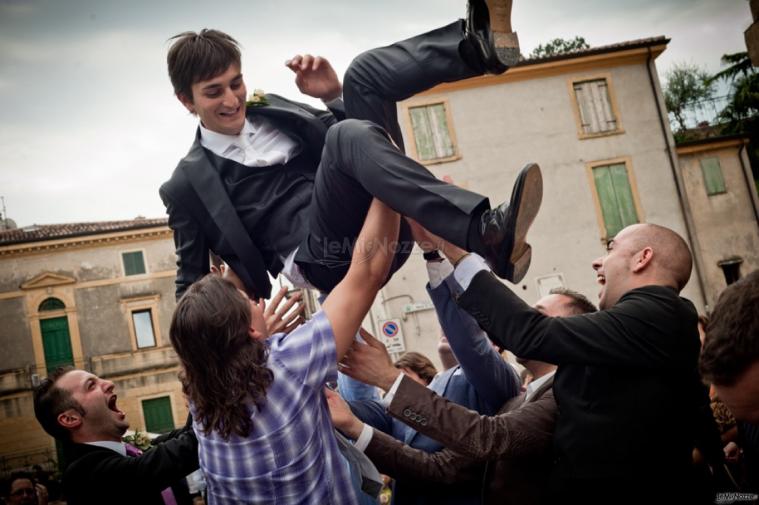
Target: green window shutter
x=431, y=132
x=158, y=417
x=134, y=263
x=425, y=148
x=440, y=132
x=616, y=198
x=714, y=182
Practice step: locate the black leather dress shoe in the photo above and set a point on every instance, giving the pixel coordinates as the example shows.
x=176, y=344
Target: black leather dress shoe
x=504, y=229
x=498, y=51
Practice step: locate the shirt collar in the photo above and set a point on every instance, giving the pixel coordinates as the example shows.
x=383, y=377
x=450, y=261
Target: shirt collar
x=219, y=142
x=534, y=385
x=114, y=446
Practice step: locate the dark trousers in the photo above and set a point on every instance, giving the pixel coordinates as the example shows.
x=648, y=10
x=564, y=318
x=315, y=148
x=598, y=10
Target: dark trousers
x=359, y=161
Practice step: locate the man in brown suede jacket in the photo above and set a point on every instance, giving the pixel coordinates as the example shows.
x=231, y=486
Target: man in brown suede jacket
x=518, y=472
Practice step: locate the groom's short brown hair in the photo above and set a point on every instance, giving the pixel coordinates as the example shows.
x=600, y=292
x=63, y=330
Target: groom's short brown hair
x=198, y=56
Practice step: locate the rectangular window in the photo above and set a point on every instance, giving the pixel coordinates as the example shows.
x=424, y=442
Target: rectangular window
x=143, y=328
x=714, y=182
x=157, y=413
x=134, y=263
x=594, y=105
x=615, y=197
x=432, y=134
x=548, y=282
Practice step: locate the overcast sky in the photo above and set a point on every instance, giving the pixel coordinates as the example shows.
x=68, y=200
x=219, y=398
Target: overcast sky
x=89, y=127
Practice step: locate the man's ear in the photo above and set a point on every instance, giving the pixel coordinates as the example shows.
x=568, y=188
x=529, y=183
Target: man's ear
x=642, y=259
x=187, y=102
x=255, y=334
x=70, y=419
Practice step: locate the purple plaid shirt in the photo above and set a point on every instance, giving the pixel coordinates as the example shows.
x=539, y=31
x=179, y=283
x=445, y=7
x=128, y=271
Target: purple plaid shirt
x=290, y=455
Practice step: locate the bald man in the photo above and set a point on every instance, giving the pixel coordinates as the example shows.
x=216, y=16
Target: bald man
x=627, y=385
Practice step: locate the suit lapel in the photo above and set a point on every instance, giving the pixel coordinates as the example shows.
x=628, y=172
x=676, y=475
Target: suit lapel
x=295, y=121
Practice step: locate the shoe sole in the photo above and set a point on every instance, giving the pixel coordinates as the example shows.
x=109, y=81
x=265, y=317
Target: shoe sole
x=529, y=192
x=505, y=43
x=506, y=47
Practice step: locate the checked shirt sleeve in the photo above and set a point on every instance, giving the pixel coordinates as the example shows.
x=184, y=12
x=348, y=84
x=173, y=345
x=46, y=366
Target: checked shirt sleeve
x=308, y=352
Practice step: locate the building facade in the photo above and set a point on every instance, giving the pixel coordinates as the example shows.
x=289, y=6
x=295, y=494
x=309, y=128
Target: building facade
x=97, y=296
x=595, y=122
x=723, y=203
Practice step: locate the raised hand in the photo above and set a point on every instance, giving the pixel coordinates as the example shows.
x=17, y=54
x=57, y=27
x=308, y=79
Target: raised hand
x=315, y=77
x=370, y=362
x=342, y=417
x=283, y=319
x=428, y=241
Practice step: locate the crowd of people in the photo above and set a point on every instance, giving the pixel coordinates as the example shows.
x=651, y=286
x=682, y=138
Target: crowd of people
x=286, y=411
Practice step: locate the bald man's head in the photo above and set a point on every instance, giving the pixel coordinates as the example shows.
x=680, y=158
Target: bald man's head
x=640, y=255
x=672, y=256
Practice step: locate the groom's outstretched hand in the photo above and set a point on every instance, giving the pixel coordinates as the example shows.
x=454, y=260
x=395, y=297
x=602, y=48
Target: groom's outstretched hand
x=315, y=77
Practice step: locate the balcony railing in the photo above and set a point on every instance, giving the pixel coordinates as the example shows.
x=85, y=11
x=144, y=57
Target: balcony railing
x=701, y=113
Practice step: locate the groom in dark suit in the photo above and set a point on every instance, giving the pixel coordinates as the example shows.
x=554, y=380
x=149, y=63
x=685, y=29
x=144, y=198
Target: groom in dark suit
x=279, y=186
x=79, y=409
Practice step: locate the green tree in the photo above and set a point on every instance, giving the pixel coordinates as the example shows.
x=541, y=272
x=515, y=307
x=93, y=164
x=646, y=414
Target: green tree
x=686, y=85
x=559, y=46
x=741, y=114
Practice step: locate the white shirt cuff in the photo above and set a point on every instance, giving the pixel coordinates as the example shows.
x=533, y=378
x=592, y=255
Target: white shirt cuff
x=362, y=442
x=334, y=102
x=438, y=271
x=468, y=268
x=391, y=392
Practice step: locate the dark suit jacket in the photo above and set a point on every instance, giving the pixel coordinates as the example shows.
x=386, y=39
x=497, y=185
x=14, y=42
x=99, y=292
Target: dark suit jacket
x=98, y=475
x=202, y=215
x=627, y=386
x=519, y=437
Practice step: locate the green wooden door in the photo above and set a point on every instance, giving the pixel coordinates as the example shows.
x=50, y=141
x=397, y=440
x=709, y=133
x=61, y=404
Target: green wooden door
x=616, y=198
x=56, y=342
x=157, y=412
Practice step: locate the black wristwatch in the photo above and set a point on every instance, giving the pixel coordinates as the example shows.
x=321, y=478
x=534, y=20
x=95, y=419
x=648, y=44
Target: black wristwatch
x=432, y=256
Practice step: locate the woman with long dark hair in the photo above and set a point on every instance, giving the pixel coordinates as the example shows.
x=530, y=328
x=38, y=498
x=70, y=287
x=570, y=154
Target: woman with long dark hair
x=264, y=431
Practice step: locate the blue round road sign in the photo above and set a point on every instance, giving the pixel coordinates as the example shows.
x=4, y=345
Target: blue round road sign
x=390, y=329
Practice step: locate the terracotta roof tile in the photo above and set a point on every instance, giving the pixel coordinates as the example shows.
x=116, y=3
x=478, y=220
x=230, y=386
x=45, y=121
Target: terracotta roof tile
x=43, y=232
x=619, y=46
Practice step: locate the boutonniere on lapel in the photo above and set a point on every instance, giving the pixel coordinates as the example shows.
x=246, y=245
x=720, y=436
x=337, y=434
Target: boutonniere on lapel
x=138, y=439
x=257, y=99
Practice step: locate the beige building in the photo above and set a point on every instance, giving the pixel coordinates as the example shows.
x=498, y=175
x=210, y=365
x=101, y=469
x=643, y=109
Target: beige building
x=723, y=203
x=98, y=296
x=595, y=122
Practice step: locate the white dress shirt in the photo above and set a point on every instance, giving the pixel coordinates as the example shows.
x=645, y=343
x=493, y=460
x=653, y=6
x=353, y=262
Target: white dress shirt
x=467, y=268
x=535, y=384
x=114, y=446
x=259, y=144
